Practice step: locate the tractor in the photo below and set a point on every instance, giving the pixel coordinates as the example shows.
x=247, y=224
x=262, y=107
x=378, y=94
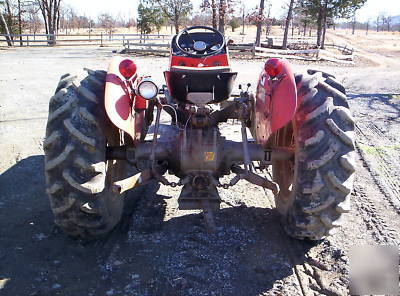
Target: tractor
x=104, y=136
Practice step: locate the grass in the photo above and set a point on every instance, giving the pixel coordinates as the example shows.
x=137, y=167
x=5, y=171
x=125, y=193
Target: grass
x=377, y=150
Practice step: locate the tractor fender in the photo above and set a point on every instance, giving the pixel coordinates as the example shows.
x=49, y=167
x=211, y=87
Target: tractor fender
x=125, y=110
x=275, y=103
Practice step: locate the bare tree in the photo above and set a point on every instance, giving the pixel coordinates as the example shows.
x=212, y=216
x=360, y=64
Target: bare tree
x=222, y=15
x=5, y=26
x=388, y=22
x=33, y=21
x=377, y=23
x=268, y=21
x=353, y=24
x=243, y=17
x=51, y=12
x=287, y=23
x=20, y=12
x=206, y=5
x=106, y=21
x=259, y=22
x=214, y=13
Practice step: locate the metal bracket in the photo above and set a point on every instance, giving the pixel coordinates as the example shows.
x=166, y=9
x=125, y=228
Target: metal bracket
x=268, y=155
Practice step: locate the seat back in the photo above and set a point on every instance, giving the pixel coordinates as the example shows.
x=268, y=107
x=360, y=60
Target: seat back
x=200, y=85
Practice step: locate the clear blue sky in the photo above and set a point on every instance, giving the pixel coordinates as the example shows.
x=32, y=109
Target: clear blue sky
x=127, y=8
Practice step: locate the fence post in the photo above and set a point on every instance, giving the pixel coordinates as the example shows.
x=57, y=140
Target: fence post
x=27, y=40
x=101, y=40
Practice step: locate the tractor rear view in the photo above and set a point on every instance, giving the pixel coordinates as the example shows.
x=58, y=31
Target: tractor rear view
x=297, y=127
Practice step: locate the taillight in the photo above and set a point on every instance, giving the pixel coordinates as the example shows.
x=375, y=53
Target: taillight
x=127, y=68
x=273, y=67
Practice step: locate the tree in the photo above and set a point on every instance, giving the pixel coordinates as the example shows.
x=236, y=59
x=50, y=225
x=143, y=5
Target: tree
x=243, y=9
x=144, y=19
x=207, y=4
x=386, y=20
x=175, y=10
x=324, y=10
x=33, y=21
x=4, y=26
x=158, y=19
x=220, y=9
x=106, y=21
x=287, y=23
x=259, y=21
x=234, y=23
x=149, y=16
x=222, y=15
x=51, y=14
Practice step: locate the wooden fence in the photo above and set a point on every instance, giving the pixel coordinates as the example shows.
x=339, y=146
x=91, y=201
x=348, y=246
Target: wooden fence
x=160, y=44
x=102, y=39
x=346, y=50
x=307, y=55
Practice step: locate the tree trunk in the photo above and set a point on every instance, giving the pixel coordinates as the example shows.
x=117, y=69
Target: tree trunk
x=292, y=28
x=5, y=25
x=9, y=14
x=259, y=23
x=287, y=23
x=214, y=13
x=20, y=23
x=243, y=20
x=221, y=16
x=366, y=31
x=176, y=24
x=319, y=24
x=353, y=25
x=324, y=24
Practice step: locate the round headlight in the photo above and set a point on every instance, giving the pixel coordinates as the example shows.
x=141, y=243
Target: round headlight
x=147, y=89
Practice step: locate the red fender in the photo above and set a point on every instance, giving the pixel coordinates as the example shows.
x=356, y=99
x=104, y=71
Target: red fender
x=125, y=112
x=275, y=104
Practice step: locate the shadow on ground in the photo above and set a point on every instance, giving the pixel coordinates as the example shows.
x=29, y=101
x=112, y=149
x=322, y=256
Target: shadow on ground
x=144, y=255
x=376, y=101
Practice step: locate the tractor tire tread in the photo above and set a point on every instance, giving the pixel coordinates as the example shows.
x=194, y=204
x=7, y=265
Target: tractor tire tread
x=326, y=158
x=75, y=166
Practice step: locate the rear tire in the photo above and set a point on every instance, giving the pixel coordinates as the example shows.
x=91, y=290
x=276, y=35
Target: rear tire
x=78, y=176
x=316, y=187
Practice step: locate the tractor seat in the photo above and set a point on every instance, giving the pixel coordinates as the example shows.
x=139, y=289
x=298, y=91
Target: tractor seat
x=204, y=70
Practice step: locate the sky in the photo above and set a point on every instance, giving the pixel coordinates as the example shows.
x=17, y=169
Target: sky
x=127, y=8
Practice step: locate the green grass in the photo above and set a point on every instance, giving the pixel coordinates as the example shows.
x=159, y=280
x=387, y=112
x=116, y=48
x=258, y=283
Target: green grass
x=376, y=150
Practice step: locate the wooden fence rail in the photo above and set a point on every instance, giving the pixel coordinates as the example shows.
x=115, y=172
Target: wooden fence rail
x=160, y=44
x=101, y=39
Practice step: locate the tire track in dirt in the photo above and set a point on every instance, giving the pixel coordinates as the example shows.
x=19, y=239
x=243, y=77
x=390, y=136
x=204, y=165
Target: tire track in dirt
x=382, y=166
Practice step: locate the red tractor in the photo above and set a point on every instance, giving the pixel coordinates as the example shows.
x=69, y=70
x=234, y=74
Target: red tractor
x=101, y=127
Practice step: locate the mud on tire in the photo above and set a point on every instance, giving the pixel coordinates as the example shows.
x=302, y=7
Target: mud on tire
x=78, y=176
x=316, y=195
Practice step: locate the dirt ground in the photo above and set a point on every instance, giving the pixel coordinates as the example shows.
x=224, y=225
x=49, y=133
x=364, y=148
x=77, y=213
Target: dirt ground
x=159, y=250
x=386, y=43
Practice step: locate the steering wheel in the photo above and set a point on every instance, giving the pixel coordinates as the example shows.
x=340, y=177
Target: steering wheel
x=200, y=45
